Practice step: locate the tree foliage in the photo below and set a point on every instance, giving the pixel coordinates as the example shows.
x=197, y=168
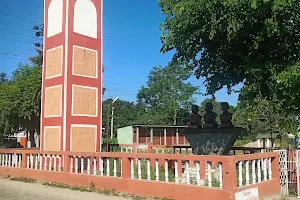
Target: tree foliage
x=125, y=113
x=261, y=116
x=20, y=101
x=38, y=60
x=167, y=94
x=228, y=42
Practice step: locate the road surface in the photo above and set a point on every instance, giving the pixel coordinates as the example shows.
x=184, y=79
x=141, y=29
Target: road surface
x=14, y=190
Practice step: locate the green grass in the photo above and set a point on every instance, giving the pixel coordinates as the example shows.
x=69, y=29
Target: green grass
x=240, y=143
x=24, y=179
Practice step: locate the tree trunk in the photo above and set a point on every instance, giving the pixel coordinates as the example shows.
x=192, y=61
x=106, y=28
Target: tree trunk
x=32, y=125
x=32, y=139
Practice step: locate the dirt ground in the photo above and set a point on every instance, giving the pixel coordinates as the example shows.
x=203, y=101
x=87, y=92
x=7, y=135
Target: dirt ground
x=14, y=190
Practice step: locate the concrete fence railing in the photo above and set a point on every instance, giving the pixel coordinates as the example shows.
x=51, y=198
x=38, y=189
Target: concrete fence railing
x=161, y=175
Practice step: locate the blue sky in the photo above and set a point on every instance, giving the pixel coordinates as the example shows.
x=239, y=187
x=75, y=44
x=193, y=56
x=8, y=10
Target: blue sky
x=131, y=43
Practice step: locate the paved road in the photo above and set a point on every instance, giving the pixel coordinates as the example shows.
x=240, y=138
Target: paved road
x=13, y=190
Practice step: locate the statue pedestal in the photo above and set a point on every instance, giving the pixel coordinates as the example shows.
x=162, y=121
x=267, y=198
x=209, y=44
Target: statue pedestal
x=209, y=141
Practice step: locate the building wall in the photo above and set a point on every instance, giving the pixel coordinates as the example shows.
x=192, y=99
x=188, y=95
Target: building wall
x=125, y=135
x=158, y=136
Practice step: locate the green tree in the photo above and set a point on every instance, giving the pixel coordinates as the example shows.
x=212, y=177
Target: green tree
x=229, y=42
x=167, y=94
x=9, y=119
x=125, y=113
x=3, y=77
x=262, y=116
x=19, y=104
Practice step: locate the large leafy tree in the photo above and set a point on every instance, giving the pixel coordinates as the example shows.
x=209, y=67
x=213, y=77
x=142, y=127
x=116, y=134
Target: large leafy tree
x=8, y=114
x=261, y=116
x=228, y=42
x=19, y=102
x=168, y=96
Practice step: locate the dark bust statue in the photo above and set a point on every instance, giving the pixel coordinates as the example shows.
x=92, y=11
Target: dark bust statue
x=209, y=116
x=226, y=116
x=195, y=119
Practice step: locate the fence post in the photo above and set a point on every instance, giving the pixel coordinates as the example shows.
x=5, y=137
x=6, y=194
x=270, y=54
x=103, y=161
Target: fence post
x=179, y=165
x=275, y=167
x=135, y=148
x=66, y=160
x=24, y=160
x=149, y=148
x=229, y=175
x=202, y=170
x=126, y=167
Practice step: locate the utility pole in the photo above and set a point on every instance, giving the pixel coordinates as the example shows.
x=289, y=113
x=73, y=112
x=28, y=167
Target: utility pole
x=298, y=134
x=112, y=118
x=112, y=122
x=107, y=120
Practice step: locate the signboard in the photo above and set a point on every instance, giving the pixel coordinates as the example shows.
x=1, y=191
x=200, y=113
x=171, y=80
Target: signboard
x=249, y=194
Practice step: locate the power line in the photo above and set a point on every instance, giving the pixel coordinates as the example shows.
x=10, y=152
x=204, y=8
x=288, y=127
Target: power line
x=129, y=31
x=6, y=30
x=124, y=21
x=22, y=17
x=12, y=39
x=121, y=95
x=5, y=53
x=11, y=46
x=118, y=45
x=22, y=53
x=132, y=11
x=11, y=58
x=129, y=76
x=110, y=23
x=18, y=27
x=27, y=41
x=123, y=89
x=137, y=66
x=34, y=14
x=12, y=52
x=135, y=87
x=22, y=11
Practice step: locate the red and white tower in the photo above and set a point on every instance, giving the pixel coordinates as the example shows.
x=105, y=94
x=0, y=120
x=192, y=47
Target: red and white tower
x=72, y=76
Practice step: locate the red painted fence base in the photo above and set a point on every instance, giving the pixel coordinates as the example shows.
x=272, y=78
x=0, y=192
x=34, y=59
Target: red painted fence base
x=136, y=187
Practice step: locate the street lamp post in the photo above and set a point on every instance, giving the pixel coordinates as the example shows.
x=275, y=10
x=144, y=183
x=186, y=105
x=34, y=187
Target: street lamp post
x=298, y=134
x=112, y=118
x=297, y=137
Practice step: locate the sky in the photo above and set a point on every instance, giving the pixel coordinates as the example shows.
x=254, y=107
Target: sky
x=131, y=43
